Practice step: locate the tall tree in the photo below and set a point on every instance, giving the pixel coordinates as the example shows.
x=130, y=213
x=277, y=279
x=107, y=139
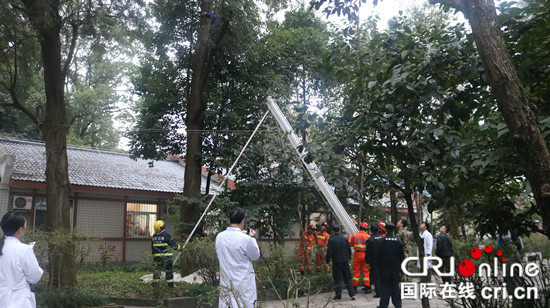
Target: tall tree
x=51, y=29
x=510, y=96
x=505, y=84
x=44, y=16
x=210, y=87
x=397, y=117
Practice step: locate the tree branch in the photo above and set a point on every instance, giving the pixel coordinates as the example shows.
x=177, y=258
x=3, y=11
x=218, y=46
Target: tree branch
x=67, y=64
x=376, y=171
x=16, y=104
x=455, y=4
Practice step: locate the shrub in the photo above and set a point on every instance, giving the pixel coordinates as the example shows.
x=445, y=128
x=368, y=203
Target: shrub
x=200, y=254
x=462, y=252
x=106, y=252
x=537, y=243
x=279, y=264
x=70, y=298
x=295, y=285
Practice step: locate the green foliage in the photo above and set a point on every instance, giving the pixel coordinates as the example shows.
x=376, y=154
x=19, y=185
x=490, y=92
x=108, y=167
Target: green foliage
x=417, y=114
x=537, y=243
x=294, y=285
x=405, y=103
x=106, y=254
x=115, y=282
x=124, y=282
x=101, y=62
x=525, y=23
x=82, y=243
x=279, y=264
x=462, y=252
x=201, y=254
x=70, y=298
x=279, y=274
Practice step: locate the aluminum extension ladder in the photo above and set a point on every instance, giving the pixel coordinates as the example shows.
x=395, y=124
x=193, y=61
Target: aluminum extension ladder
x=312, y=169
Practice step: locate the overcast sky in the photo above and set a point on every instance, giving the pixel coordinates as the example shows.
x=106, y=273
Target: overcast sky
x=387, y=9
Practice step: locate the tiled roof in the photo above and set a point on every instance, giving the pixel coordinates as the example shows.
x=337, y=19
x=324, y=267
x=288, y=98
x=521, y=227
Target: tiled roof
x=96, y=168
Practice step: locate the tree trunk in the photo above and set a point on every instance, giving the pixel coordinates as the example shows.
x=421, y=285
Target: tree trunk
x=393, y=204
x=511, y=100
x=44, y=16
x=416, y=235
x=196, y=106
x=408, y=193
x=361, y=174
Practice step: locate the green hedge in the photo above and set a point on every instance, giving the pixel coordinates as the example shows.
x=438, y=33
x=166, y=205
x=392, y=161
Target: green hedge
x=70, y=298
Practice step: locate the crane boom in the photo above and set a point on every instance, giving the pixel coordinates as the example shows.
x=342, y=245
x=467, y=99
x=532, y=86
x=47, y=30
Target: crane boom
x=312, y=169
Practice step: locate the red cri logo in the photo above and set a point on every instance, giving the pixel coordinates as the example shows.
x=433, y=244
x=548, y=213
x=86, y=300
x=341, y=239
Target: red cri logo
x=467, y=268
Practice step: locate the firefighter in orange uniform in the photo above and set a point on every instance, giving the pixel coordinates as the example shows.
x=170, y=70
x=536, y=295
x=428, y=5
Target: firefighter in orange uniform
x=359, y=243
x=321, y=239
x=306, y=242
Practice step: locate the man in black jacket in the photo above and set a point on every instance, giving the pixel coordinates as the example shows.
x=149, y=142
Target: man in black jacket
x=444, y=250
x=339, y=251
x=389, y=255
x=369, y=258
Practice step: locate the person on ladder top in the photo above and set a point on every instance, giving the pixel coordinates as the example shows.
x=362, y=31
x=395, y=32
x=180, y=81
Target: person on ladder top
x=163, y=244
x=359, y=243
x=321, y=239
x=306, y=242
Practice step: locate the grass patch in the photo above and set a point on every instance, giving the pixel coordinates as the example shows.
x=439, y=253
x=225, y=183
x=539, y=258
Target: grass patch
x=96, y=285
x=118, y=282
x=70, y=298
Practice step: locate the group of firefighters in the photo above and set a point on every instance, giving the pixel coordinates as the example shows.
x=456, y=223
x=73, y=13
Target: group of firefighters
x=318, y=240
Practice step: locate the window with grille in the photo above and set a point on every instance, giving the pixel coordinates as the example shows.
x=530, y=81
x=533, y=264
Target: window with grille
x=40, y=207
x=140, y=219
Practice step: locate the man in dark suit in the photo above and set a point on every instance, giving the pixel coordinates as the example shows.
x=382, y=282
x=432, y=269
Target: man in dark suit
x=339, y=251
x=389, y=255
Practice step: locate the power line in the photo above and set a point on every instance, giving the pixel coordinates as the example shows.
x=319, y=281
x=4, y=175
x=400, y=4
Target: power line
x=218, y=131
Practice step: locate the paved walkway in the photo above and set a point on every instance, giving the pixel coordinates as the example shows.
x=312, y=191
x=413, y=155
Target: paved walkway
x=323, y=300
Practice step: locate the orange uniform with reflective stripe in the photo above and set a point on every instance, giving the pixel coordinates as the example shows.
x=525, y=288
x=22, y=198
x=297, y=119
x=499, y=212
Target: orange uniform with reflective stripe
x=306, y=243
x=321, y=239
x=359, y=243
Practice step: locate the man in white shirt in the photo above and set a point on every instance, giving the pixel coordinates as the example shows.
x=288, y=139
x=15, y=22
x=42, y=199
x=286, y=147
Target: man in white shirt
x=236, y=251
x=428, y=246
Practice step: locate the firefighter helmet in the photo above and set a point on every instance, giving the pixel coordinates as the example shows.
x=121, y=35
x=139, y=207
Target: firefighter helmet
x=311, y=227
x=364, y=225
x=382, y=224
x=159, y=225
x=324, y=224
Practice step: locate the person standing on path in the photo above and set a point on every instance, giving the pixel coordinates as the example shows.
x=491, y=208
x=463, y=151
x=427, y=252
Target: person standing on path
x=428, y=246
x=369, y=258
x=403, y=235
x=236, y=251
x=444, y=250
x=359, y=243
x=339, y=251
x=162, y=245
x=321, y=240
x=389, y=256
x=306, y=243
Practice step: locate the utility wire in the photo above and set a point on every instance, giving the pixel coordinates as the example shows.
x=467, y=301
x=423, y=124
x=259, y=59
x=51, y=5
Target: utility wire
x=216, y=192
